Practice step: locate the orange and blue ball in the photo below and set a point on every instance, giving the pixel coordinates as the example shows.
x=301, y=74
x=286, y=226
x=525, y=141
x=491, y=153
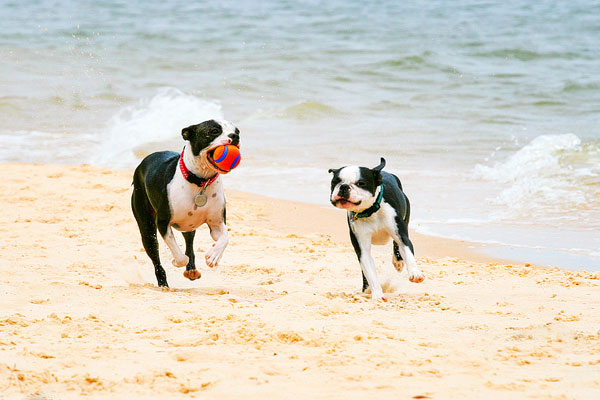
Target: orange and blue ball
x=226, y=157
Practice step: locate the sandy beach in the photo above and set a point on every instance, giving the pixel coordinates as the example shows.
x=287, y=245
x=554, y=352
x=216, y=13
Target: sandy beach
x=281, y=317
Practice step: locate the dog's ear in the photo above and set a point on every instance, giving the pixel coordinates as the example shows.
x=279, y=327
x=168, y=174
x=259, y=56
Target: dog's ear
x=377, y=170
x=186, y=133
x=380, y=166
x=331, y=170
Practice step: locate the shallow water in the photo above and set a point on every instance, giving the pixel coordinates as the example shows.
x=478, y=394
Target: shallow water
x=489, y=113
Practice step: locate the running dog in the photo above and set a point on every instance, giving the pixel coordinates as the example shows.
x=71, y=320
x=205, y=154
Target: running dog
x=183, y=191
x=377, y=210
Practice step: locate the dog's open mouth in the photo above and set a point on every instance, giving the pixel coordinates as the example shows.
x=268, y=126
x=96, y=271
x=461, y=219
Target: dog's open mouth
x=344, y=203
x=211, y=159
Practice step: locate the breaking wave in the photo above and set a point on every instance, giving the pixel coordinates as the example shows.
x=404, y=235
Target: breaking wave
x=150, y=125
x=551, y=175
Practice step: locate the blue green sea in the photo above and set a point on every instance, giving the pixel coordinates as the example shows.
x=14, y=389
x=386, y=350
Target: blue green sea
x=489, y=112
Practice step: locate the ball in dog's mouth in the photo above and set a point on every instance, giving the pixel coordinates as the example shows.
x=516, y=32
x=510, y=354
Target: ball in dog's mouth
x=210, y=156
x=228, y=157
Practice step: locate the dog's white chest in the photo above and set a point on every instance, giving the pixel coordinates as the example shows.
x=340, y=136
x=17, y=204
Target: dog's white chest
x=379, y=227
x=187, y=213
x=380, y=237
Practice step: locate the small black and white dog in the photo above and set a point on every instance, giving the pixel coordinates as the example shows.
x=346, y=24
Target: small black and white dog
x=377, y=210
x=183, y=191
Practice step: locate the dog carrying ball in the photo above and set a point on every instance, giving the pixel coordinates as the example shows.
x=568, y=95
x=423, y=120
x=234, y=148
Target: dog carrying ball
x=226, y=157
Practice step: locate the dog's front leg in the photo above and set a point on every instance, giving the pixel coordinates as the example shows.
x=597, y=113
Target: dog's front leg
x=362, y=246
x=367, y=264
x=219, y=234
x=179, y=259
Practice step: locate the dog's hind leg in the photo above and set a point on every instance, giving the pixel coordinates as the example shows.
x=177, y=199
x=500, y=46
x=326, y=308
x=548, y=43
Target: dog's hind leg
x=190, y=270
x=406, y=250
x=143, y=212
x=397, y=258
x=414, y=273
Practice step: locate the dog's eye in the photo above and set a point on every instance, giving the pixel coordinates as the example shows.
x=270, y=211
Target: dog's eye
x=361, y=184
x=214, y=131
x=335, y=181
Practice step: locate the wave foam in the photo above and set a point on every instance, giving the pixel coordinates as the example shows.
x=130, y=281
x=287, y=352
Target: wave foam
x=151, y=124
x=552, y=174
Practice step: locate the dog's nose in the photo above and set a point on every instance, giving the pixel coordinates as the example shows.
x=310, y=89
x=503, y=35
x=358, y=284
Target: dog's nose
x=344, y=191
x=235, y=138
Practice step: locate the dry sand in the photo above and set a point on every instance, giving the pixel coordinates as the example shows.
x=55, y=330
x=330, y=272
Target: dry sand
x=281, y=317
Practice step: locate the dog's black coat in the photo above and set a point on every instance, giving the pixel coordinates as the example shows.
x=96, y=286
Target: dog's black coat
x=370, y=180
x=394, y=196
x=150, y=201
x=150, y=205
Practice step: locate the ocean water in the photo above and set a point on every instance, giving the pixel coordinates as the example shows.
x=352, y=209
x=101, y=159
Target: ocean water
x=489, y=112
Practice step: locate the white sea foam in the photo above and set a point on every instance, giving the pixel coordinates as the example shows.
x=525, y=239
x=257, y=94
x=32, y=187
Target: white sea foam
x=553, y=173
x=151, y=124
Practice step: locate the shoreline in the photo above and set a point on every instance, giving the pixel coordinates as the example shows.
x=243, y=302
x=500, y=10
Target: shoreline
x=282, y=313
x=332, y=222
x=426, y=245
x=429, y=244
x=439, y=246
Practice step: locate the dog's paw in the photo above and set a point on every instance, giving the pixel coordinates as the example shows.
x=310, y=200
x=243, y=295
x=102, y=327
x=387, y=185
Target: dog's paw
x=181, y=262
x=191, y=274
x=379, y=299
x=378, y=296
x=213, y=257
x=416, y=277
x=398, y=264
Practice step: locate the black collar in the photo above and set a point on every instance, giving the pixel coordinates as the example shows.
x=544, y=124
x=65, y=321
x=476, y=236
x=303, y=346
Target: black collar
x=193, y=178
x=371, y=210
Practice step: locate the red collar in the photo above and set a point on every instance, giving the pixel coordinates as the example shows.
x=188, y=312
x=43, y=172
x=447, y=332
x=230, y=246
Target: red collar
x=193, y=178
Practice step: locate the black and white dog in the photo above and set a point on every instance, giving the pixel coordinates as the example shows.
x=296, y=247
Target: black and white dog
x=377, y=210
x=183, y=191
